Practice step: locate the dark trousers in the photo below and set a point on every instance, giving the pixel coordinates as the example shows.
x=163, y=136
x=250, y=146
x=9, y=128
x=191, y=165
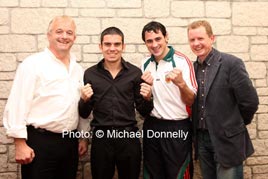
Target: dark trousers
x=107, y=153
x=55, y=157
x=210, y=168
x=167, y=156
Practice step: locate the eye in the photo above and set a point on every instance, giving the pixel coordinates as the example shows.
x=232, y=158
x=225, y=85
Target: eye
x=149, y=41
x=191, y=40
x=106, y=44
x=70, y=32
x=59, y=31
x=117, y=44
x=158, y=39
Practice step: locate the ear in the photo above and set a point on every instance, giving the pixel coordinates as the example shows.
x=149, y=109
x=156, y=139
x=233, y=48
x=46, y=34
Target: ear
x=124, y=47
x=167, y=38
x=213, y=38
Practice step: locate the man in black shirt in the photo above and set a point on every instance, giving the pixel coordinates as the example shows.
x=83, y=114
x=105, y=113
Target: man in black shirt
x=113, y=90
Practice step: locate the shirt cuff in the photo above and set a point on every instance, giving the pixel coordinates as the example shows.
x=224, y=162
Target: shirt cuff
x=17, y=132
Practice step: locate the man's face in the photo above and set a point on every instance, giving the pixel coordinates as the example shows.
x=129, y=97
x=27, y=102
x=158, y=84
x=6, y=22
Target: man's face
x=112, y=48
x=61, y=35
x=156, y=44
x=200, y=42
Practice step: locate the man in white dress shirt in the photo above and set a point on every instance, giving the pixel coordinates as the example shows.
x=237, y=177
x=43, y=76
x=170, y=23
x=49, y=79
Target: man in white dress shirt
x=43, y=103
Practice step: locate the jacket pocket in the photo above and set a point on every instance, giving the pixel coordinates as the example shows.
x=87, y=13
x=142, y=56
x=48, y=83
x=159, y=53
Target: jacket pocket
x=233, y=131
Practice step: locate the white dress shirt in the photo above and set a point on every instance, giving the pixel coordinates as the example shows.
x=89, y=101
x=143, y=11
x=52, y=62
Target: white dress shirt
x=44, y=94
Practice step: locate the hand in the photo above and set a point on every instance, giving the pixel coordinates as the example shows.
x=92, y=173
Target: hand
x=24, y=154
x=147, y=77
x=86, y=92
x=146, y=91
x=82, y=147
x=176, y=77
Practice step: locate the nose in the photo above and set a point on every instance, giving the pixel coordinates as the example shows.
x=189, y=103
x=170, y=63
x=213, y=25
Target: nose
x=154, y=44
x=112, y=47
x=64, y=35
x=195, y=42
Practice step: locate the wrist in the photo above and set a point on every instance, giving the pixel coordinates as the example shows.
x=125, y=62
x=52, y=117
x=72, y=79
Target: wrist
x=149, y=98
x=181, y=85
x=83, y=100
x=19, y=141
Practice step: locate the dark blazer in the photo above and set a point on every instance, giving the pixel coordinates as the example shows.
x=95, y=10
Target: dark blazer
x=230, y=104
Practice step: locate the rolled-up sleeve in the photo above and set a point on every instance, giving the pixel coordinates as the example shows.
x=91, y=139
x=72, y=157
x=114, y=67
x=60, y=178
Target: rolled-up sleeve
x=19, y=102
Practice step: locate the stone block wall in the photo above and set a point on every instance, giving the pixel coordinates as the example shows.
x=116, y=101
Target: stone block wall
x=240, y=26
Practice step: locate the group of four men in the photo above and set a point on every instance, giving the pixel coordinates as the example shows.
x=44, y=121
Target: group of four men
x=44, y=97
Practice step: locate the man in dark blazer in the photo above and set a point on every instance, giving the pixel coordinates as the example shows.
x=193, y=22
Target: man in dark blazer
x=226, y=102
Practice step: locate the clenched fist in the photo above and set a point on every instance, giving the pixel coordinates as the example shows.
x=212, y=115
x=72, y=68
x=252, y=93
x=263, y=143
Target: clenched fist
x=86, y=92
x=176, y=77
x=146, y=91
x=147, y=77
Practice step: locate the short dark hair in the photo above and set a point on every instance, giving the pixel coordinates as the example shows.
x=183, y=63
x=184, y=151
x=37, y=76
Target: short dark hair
x=112, y=31
x=155, y=27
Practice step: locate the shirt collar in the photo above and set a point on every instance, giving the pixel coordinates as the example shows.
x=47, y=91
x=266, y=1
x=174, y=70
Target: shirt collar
x=72, y=56
x=168, y=57
x=208, y=59
x=123, y=62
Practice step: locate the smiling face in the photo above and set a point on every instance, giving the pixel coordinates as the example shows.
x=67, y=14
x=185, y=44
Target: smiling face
x=200, y=42
x=61, y=35
x=112, y=48
x=156, y=43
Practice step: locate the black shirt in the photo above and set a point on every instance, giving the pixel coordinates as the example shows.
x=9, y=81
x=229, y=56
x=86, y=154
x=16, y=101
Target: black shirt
x=201, y=76
x=114, y=99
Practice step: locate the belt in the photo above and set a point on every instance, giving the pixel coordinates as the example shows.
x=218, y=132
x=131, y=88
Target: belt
x=167, y=121
x=44, y=131
x=120, y=128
